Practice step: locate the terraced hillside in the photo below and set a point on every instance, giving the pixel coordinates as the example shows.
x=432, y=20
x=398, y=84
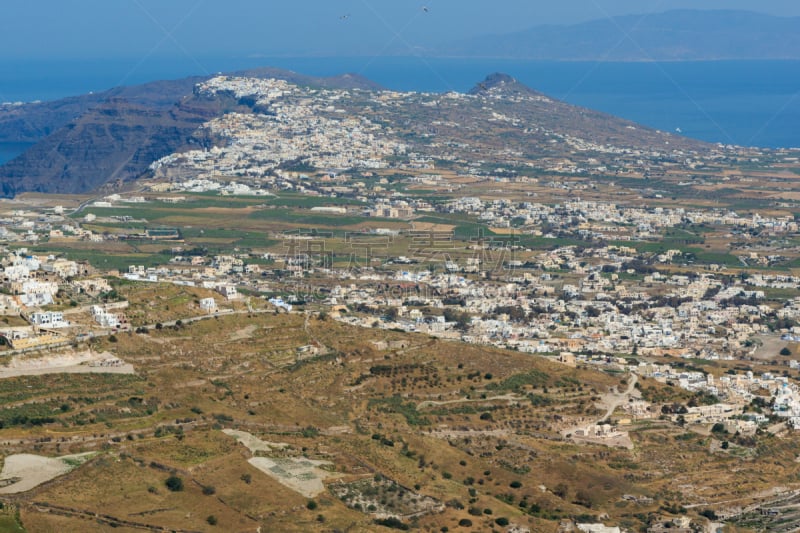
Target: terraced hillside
x=295, y=422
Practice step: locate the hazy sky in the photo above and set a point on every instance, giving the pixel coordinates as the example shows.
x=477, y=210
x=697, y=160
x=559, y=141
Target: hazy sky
x=81, y=29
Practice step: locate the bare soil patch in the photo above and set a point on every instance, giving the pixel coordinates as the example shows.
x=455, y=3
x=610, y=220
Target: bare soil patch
x=25, y=471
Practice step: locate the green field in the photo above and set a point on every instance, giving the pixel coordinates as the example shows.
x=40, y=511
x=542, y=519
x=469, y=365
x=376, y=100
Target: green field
x=105, y=260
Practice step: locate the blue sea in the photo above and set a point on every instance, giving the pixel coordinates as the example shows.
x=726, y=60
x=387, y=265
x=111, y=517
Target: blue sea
x=755, y=103
x=9, y=151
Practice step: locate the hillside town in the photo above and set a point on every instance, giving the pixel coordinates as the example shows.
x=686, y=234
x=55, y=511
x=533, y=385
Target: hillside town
x=306, y=209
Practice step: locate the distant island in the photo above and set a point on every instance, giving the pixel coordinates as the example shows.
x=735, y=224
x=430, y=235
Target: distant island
x=680, y=35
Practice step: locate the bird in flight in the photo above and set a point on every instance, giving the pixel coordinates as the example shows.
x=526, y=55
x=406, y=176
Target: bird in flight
x=425, y=9
x=344, y=17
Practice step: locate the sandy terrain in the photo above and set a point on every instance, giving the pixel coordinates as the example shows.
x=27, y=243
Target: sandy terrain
x=253, y=443
x=65, y=363
x=299, y=474
x=620, y=441
x=457, y=433
x=511, y=398
x=431, y=226
x=771, y=346
x=612, y=400
x=33, y=470
x=244, y=333
x=302, y=475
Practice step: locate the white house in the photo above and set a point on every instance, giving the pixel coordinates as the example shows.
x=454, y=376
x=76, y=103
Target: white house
x=104, y=318
x=209, y=305
x=228, y=291
x=49, y=319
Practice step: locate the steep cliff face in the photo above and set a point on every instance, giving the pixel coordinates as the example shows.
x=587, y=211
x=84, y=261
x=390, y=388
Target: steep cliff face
x=87, y=141
x=115, y=141
x=30, y=123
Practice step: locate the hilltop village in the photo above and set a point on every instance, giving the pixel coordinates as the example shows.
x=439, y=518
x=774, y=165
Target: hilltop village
x=626, y=260
x=592, y=303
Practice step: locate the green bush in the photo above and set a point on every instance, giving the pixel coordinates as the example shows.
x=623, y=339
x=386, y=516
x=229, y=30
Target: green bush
x=174, y=483
x=393, y=523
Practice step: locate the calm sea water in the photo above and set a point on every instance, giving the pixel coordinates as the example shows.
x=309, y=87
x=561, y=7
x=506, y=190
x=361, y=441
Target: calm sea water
x=740, y=102
x=9, y=151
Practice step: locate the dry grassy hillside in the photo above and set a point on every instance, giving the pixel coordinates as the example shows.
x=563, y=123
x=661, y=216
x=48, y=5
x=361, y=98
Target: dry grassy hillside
x=397, y=425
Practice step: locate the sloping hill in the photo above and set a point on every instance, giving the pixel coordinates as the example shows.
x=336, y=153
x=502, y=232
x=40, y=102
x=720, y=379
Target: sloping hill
x=680, y=35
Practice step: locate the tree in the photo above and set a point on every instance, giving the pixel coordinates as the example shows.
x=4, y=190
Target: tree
x=785, y=351
x=709, y=513
x=212, y=520
x=174, y=483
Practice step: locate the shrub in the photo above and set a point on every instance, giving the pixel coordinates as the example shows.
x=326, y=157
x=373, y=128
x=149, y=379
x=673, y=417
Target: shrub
x=393, y=523
x=208, y=490
x=465, y=522
x=709, y=513
x=561, y=490
x=174, y=483
x=311, y=505
x=502, y=521
x=212, y=520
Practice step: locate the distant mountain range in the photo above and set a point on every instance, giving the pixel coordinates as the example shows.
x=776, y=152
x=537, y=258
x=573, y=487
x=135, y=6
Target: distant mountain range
x=680, y=35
